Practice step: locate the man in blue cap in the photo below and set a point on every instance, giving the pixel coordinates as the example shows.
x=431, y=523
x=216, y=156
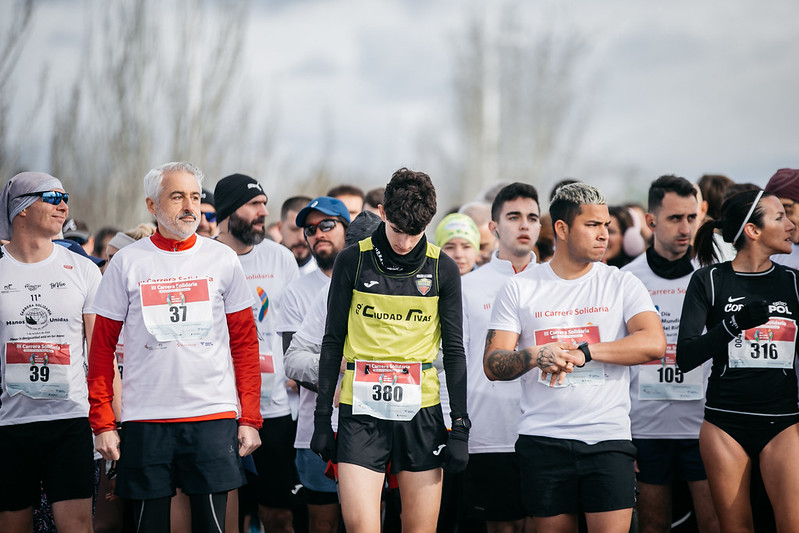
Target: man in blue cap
x=324, y=222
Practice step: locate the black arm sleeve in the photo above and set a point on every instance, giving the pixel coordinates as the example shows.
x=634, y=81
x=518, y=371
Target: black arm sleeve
x=338, y=305
x=694, y=348
x=450, y=312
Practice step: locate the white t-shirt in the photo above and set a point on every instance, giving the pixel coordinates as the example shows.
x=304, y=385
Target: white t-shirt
x=493, y=406
x=309, y=266
x=269, y=267
x=297, y=299
x=666, y=404
x=594, y=403
x=312, y=330
x=177, y=346
x=41, y=327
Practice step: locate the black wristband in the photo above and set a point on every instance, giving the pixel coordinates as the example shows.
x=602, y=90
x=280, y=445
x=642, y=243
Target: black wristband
x=583, y=347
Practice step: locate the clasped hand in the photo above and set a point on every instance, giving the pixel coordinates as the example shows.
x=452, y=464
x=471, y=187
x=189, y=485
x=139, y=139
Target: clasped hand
x=557, y=359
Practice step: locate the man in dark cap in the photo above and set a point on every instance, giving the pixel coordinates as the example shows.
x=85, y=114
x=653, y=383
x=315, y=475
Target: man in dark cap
x=785, y=185
x=46, y=292
x=269, y=267
x=190, y=397
x=208, y=226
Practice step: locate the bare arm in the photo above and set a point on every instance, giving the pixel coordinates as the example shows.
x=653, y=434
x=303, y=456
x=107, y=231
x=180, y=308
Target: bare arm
x=502, y=361
x=645, y=342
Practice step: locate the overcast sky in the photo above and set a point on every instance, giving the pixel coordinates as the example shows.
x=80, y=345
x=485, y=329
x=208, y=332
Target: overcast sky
x=679, y=87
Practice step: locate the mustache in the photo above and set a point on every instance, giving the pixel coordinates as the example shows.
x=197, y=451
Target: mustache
x=188, y=214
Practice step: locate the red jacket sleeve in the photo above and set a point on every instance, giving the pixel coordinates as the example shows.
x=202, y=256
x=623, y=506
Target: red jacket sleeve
x=101, y=374
x=244, y=350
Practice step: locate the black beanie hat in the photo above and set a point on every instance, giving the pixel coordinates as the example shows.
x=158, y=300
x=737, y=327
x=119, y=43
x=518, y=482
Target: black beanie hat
x=233, y=192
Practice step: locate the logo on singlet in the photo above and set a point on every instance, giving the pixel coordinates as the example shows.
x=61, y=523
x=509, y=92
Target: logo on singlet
x=438, y=451
x=371, y=284
x=733, y=300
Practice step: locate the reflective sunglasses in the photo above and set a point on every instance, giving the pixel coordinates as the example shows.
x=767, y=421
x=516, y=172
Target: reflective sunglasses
x=324, y=225
x=210, y=216
x=51, y=197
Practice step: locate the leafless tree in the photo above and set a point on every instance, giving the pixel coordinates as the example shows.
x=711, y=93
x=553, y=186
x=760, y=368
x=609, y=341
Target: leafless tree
x=14, y=33
x=159, y=82
x=518, y=112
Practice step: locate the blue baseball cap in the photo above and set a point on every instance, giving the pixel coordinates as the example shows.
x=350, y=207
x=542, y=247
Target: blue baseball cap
x=323, y=204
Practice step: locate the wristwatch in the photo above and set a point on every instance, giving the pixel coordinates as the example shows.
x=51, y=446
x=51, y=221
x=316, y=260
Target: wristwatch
x=464, y=423
x=583, y=347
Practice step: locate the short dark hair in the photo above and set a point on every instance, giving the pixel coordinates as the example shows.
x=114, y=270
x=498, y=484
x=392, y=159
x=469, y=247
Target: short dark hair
x=568, y=198
x=714, y=187
x=374, y=197
x=509, y=193
x=662, y=185
x=410, y=201
x=341, y=190
x=295, y=203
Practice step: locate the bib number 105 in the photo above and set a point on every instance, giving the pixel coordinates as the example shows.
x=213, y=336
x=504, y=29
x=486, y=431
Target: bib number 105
x=387, y=393
x=670, y=374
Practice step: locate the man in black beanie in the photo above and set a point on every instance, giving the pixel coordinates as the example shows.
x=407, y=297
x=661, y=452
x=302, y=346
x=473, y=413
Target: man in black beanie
x=269, y=267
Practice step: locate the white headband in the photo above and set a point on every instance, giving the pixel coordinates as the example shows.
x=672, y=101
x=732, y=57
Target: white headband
x=749, y=214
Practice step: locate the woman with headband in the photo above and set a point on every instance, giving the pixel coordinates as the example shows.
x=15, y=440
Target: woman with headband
x=742, y=314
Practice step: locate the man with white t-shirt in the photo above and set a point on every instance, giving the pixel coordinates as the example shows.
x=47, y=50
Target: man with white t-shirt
x=491, y=479
x=291, y=234
x=571, y=328
x=668, y=405
x=45, y=295
x=190, y=397
x=324, y=222
x=268, y=267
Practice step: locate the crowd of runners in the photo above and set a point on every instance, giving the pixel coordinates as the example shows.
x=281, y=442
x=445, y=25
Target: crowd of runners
x=596, y=367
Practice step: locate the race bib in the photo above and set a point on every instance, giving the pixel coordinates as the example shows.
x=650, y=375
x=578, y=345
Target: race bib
x=593, y=373
x=387, y=390
x=267, y=364
x=177, y=309
x=662, y=380
x=771, y=345
x=38, y=370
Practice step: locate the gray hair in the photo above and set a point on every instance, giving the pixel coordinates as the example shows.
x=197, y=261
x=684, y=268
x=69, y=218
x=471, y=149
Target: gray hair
x=154, y=179
x=580, y=194
x=479, y=211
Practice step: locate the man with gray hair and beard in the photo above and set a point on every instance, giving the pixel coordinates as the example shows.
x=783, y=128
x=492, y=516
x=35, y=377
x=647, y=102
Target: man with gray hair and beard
x=190, y=396
x=269, y=267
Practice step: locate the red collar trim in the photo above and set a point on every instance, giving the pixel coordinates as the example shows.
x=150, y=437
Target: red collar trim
x=172, y=246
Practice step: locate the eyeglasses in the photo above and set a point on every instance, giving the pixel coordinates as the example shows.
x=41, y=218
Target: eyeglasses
x=324, y=225
x=210, y=216
x=51, y=197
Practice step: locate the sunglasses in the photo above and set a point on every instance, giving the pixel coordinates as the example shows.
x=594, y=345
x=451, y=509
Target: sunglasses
x=210, y=216
x=51, y=197
x=324, y=225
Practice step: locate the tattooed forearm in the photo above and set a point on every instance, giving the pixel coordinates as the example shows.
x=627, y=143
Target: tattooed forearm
x=507, y=365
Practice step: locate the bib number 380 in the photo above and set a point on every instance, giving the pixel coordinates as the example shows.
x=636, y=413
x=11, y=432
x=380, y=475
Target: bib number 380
x=387, y=390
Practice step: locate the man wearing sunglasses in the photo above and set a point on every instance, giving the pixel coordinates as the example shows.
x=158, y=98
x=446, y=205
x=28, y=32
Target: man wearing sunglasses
x=269, y=268
x=324, y=222
x=45, y=295
x=208, y=226
x=190, y=397
x=394, y=300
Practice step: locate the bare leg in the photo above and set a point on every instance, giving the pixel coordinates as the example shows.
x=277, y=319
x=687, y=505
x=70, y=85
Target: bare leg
x=73, y=516
x=276, y=520
x=728, y=473
x=780, y=472
x=17, y=521
x=562, y=523
x=609, y=521
x=232, y=512
x=516, y=526
x=706, y=517
x=654, y=508
x=323, y=518
x=420, y=494
x=180, y=513
x=359, y=491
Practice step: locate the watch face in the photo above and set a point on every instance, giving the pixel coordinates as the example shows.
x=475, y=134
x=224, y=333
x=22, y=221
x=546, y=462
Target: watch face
x=465, y=422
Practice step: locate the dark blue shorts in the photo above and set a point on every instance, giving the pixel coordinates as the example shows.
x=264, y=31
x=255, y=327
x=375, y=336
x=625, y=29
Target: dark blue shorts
x=564, y=476
x=199, y=457
x=664, y=461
